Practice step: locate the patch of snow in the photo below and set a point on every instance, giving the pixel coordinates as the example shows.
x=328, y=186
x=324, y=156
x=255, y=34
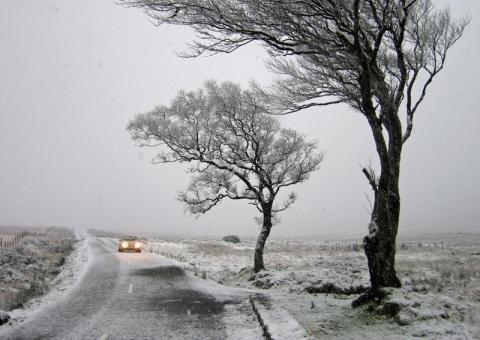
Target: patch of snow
x=240, y=326
x=277, y=322
x=372, y=228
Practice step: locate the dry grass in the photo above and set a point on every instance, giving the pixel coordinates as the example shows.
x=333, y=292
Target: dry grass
x=215, y=248
x=441, y=271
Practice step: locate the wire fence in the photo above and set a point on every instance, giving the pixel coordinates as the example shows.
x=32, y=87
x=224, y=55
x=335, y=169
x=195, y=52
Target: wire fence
x=339, y=246
x=434, y=245
x=188, y=263
x=12, y=240
x=356, y=246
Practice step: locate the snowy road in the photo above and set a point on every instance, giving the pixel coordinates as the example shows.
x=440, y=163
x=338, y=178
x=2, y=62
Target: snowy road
x=140, y=296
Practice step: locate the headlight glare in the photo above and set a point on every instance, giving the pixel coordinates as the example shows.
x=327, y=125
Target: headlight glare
x=137, y=244
x=124, y=244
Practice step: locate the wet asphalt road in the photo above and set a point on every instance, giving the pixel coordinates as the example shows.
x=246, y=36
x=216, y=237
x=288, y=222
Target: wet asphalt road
x=139, y=296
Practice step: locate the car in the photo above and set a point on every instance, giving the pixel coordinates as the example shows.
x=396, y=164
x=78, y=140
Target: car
x=130, y=243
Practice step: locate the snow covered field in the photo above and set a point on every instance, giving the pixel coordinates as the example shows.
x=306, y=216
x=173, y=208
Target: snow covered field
x=45, y=259
x=316, y=282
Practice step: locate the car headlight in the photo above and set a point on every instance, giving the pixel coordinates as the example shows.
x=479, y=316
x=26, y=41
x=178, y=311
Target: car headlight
x=137, y=245
x=124, y=244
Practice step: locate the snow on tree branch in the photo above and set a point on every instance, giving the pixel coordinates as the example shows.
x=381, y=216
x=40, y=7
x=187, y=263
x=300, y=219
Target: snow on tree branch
x=239, y=152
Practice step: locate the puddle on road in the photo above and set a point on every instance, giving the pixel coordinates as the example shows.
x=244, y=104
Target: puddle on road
x=187, y=301
x=162, y=272
x=173, y=300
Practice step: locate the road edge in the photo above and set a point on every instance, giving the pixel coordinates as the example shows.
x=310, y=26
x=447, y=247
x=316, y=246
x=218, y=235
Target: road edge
x=276, y=322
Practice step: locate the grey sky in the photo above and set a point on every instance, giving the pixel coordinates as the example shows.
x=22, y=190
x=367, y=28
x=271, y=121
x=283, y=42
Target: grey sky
x=72, y=74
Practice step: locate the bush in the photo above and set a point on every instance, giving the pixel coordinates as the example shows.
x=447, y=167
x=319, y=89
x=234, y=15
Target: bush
x=4, y=317
x=232, y=239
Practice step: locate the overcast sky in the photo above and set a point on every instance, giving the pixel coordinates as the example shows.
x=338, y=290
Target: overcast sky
x=73, y=73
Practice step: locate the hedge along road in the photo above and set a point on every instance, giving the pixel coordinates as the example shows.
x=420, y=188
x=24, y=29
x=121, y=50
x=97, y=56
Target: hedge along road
x=140, y=296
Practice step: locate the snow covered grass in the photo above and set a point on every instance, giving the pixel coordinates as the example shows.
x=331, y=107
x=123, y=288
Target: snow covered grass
x=289, y=264
x=316, y=284
x=75, y=264
x=442, y=272
x=29, y=268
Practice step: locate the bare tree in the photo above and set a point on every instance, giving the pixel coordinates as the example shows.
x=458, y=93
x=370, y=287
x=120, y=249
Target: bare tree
x=238, y=151
x=377, y=56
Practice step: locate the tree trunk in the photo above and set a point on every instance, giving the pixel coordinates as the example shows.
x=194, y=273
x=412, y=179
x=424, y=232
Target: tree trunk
x=258, y=264
x=380, y=243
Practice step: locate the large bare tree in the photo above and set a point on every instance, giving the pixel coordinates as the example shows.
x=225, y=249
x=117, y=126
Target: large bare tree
x=238, y=151
x=377, y=56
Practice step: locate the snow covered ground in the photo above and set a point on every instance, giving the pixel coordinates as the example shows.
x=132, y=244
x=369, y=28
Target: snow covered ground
x=316, y=282
x=126, y=296
x=40, y=270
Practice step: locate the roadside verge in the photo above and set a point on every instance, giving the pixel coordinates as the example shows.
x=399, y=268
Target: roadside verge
x=276, y=323
x=69, y=274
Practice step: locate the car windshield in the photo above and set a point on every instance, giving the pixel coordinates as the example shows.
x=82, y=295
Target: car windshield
x=129, y=238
